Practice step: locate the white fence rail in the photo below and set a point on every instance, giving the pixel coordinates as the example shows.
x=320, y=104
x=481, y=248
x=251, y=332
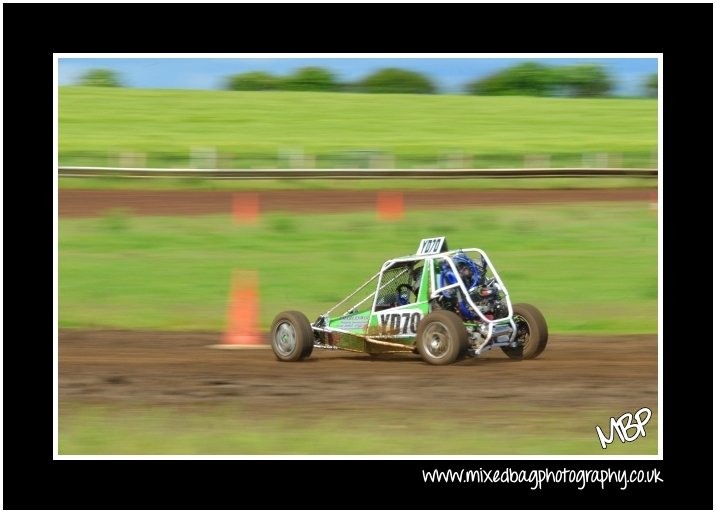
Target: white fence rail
x=349, y=174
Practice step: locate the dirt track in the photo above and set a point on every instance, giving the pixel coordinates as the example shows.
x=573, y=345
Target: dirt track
x=83, y=203
x=618, y=374
x=156, y=368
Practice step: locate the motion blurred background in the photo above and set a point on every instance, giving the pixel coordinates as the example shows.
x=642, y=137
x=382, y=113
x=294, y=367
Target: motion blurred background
x=160, y=254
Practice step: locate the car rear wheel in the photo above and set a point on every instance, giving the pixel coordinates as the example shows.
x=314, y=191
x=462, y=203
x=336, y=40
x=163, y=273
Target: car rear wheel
x=441, y=338
x=532, y=333
x=291, y=336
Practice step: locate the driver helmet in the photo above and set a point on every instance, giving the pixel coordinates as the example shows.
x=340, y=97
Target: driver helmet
x=467, y=269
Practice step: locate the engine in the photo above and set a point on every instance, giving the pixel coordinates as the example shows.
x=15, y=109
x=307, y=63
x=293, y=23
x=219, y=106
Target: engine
x=487, y=299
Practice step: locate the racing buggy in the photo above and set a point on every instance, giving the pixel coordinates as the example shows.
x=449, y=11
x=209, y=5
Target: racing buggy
x=442, y=304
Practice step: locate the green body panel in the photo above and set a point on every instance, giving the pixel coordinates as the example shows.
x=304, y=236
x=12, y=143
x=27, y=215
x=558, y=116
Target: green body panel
x=353, y=323
x=400, y=323
x=397, y=325
x=350, y=342
x=396, y=346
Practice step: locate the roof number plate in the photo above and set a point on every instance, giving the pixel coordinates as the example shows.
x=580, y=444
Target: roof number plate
x=432, y=246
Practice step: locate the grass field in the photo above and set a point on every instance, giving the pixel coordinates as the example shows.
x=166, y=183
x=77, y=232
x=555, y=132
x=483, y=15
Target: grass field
x=590, y=268
x=230, y=431
x=194, y=184
x=498, y=131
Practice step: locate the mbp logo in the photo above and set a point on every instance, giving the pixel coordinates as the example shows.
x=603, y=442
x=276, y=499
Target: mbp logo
x=623, y=424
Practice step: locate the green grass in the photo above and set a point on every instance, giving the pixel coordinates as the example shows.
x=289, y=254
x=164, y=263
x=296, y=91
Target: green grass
x=97, y=124
x=161, y=430
x=116, y=183
x=589, y=268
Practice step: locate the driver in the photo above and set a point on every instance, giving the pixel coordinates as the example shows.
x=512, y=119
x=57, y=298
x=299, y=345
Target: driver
x=466, y=273
x=473, y=277
x=468, y=270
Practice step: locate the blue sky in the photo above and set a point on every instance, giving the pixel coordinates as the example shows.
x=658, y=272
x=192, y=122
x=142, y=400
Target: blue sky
x=450, y=74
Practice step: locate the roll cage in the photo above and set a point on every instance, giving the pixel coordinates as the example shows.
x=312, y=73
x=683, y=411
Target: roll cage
x=439, y=278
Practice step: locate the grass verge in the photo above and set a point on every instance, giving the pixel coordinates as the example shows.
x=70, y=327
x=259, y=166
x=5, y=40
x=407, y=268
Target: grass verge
x=102, y=126
x=589, y=268
x=98, y=430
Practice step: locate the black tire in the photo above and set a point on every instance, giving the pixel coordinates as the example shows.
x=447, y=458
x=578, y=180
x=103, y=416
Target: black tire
x=291, y=336
x=441, y=338
x=532, y=332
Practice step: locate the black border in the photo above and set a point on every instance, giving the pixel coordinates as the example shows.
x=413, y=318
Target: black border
x=32, y=480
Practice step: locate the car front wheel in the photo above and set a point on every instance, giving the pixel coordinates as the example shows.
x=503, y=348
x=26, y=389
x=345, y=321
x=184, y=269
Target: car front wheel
x=291, y=336
x=441, y=338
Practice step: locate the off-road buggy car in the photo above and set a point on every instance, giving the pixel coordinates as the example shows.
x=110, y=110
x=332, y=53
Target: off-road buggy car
x=441, y=304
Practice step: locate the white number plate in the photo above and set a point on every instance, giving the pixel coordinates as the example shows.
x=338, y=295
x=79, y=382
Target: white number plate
x=431, y=246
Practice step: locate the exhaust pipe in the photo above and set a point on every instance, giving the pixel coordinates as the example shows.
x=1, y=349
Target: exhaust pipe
x=499, y=333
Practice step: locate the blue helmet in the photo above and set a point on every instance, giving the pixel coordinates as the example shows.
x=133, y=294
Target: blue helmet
x=467, y=269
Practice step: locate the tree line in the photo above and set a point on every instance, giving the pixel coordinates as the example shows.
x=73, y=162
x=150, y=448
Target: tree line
x=387, y=80
x=524, y=79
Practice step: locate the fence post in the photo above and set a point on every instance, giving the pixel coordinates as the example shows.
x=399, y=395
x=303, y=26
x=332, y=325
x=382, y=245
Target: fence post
x=538, y=161
x=455, y=160
x=131, y=159
x=599, y=160
x=203, y=158
x=293, y=158
x=615, y=160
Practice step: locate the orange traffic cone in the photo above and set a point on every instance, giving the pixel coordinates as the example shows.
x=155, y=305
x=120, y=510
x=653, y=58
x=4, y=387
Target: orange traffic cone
x=246, y=208
x=243, y=312
x=390, y=205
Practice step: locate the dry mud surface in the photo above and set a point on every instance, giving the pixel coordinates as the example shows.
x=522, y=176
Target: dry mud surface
x=161, y=368
x=612, y=373
x=85, y=203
